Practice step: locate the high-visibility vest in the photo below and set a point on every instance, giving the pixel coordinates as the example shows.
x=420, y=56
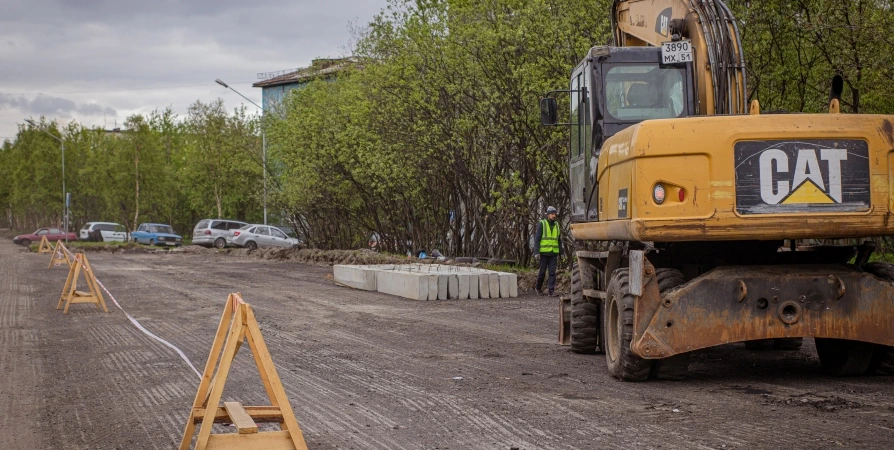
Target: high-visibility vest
x=549, y=240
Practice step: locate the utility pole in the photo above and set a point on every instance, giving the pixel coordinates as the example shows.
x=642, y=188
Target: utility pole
x=263, y=141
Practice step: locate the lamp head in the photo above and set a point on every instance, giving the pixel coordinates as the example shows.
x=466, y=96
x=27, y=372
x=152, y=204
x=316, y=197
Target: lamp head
x=31, y=122
x=220, y=82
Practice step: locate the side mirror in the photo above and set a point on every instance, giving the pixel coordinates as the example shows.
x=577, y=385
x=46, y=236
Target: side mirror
x=836, y=90
x=548, y=111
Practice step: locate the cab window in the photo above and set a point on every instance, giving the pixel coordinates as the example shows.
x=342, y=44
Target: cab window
x=637, y=92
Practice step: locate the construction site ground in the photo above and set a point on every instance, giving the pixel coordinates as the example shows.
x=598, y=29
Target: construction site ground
x=366, y=370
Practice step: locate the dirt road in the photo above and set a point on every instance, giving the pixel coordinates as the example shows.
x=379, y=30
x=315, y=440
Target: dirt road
x=371, y=371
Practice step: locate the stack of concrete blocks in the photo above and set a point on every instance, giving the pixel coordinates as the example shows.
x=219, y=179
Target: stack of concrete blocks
x=429, y=281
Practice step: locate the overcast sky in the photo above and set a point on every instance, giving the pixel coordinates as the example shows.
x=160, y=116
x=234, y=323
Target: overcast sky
x=99, y=61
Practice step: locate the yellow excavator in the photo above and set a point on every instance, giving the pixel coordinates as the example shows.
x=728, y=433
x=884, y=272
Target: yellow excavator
x=699, y=221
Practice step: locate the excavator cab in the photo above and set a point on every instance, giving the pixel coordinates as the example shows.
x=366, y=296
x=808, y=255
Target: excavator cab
x=613, y=89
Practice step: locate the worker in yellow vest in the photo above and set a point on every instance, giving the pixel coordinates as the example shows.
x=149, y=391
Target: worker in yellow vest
x=547, y=249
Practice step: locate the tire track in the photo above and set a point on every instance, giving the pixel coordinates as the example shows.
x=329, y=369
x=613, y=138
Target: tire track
x=21, y=371
x=367, y=370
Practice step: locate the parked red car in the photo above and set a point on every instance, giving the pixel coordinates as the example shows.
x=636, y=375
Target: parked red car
x=52, y=234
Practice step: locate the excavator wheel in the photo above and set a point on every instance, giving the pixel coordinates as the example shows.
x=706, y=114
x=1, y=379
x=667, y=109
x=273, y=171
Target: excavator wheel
x=622, y=363
x=843, y=357
x=675, y=367
x=584, y=317
x=883, y=356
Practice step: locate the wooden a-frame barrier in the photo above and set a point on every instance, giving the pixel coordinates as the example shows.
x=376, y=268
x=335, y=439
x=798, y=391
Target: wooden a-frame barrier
x=60, y=255
x=237, y=324
x=71, y=295
x=45, y=246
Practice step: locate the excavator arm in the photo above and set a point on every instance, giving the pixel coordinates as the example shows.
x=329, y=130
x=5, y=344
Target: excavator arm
x=718, y=58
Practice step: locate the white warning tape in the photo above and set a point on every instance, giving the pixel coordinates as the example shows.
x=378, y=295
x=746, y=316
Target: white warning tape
x=137, y=322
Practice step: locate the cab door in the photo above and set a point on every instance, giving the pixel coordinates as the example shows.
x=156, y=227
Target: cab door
x=580, y=143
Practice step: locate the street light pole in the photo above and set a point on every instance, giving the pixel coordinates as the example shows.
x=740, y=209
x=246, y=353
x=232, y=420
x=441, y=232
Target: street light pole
x=64, y=196
x=263, y=142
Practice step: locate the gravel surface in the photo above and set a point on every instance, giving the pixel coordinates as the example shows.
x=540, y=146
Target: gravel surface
x=371, y=371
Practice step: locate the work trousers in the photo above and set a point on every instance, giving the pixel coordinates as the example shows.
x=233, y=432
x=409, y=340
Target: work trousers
x=547, y=262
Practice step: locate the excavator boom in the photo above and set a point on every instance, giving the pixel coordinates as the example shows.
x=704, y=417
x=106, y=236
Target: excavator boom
x=718, y=57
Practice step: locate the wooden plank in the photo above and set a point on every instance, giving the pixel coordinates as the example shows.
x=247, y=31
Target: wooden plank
x=243, y=327
x=72, y=287
x=201, y=398
x=270, y=440
x=257, y=413
x=244, y=423
x=267, y=371
x=593, y=293
x=72, y=278
x=235, y=335
x=93, y=285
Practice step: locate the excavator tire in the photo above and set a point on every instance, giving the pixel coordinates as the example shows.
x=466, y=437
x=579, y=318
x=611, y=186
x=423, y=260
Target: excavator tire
x=622, y=363
x=882, y=361
x=883, y=356
x=675, y=367
x=584, y=317
x=843, y=357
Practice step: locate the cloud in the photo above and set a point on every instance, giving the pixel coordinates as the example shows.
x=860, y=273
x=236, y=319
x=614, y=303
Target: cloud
x=100, y=61
x=45, y=105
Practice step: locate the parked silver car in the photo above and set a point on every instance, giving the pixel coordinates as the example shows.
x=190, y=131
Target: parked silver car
x=254, y=236
x=214, y=232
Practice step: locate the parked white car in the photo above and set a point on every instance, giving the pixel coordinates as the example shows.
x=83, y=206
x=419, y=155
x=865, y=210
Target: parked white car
x=254, y=236
x=103, y=232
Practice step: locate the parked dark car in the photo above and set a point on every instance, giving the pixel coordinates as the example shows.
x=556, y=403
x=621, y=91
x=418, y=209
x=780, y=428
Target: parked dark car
x=52, y=234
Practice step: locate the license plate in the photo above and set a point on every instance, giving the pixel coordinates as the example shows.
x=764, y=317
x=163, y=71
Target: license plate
x=676, y=52
x=803, y=176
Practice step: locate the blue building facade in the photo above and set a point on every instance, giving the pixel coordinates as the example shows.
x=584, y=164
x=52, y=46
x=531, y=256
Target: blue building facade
x=278, y=85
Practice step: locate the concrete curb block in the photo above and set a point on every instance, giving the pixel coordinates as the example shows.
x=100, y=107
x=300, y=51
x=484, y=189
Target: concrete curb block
x=428, y=281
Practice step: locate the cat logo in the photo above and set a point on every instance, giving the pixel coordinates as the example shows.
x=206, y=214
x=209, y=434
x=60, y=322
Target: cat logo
x=801, y=176
x=663, y=21
x=807, y=186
